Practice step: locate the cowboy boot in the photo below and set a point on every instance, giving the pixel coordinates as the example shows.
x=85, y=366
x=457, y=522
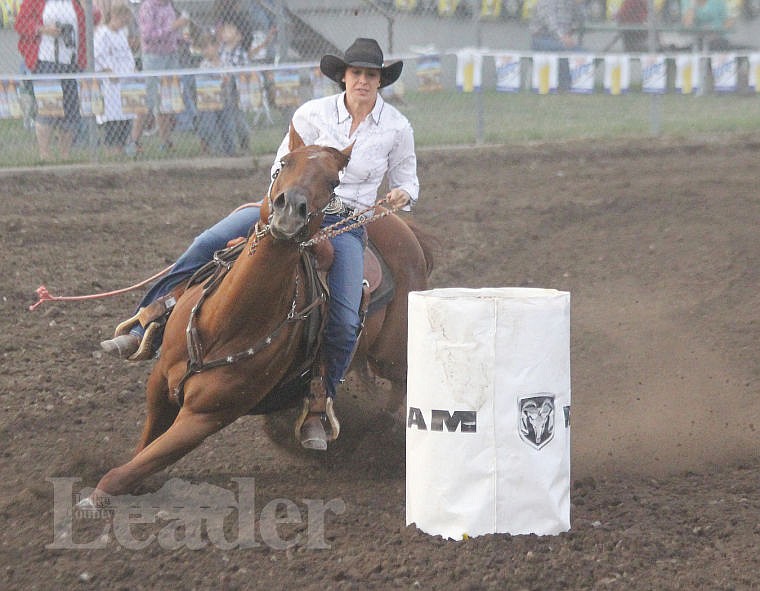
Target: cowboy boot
x=127, y=343
x=123, y=346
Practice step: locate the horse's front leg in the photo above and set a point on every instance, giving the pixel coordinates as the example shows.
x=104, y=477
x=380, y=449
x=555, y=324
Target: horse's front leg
x=185, y=434
x=161, y=412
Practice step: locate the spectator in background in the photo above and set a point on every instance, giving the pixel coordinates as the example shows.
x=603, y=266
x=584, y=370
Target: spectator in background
x=232, y=19
x=52, y=41
x=633, y=12
x=256, y=26
x=263, y=48
x=556, y=24
x=161, y=31
x=217, y=128
x=234, y=12
x=133, y=33
x=234, y=54
x=711, y=15
x=114, y=54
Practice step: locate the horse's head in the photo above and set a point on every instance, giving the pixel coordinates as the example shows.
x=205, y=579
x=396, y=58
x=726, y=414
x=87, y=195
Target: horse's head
x=302, y=188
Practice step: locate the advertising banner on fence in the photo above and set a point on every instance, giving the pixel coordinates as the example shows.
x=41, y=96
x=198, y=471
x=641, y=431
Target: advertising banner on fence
x=49, y=97
x=724, y=71
x=545, y=73
x=754, y=71
x=208, y=92
x=429, y=73
x=134, y=96
x=687, y=73
x=469, y=70
x=654, y=74
x=617, y=74
x=508, y=72
x=581, y=73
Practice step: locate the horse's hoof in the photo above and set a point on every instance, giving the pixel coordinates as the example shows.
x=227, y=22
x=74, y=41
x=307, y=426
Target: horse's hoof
x=123, y=346
x=313, y=434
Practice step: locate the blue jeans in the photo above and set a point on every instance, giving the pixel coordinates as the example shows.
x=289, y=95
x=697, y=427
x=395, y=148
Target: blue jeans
x=345, y=283
x=344, y=280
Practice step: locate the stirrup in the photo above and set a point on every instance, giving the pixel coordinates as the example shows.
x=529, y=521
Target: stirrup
x=127, y=325
x=329, y=413
x=148, y=314
x=145, y=350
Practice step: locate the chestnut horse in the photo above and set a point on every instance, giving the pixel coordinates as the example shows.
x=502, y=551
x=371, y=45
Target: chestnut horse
x=256, y=308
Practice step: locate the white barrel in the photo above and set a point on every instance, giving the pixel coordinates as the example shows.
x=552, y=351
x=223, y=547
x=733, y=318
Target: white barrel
x=488, y=411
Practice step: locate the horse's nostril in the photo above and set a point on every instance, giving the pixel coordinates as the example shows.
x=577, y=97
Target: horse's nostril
x=279, y=201
x=303, y=210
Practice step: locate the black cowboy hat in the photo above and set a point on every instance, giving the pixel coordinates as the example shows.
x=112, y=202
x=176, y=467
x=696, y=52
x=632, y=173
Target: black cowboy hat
x=363, y=53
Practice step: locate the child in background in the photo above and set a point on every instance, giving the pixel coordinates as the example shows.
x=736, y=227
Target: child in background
x=216, y=128
x=234, y=53
x=113, y=54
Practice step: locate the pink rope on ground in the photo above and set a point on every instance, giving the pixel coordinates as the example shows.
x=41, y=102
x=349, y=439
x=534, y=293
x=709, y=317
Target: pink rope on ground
x=45, y=296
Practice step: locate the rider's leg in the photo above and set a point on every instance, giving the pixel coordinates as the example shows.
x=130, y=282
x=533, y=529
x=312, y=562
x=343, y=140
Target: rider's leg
x=198, y=254
x=345, y=283
x=341, y=332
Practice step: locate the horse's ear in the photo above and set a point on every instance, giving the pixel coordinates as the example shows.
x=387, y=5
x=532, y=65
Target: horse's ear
x=295, y=140
x=348, y=149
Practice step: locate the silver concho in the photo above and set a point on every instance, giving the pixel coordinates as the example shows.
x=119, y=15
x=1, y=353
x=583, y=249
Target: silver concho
x=335, y=205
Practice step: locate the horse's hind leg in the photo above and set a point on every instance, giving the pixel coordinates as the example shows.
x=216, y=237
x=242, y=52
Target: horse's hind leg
x=185, y=434
x=161, y=412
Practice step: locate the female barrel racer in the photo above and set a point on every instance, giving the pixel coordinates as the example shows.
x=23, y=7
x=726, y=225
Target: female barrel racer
x=383, y=144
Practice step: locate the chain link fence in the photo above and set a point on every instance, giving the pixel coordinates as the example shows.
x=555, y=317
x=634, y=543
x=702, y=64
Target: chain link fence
x=156, y=79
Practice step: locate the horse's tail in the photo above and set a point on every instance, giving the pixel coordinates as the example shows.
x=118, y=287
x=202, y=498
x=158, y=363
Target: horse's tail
x=428, y=242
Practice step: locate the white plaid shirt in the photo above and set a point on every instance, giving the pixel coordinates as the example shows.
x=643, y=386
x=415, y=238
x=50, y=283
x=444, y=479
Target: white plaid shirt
x=384, y=145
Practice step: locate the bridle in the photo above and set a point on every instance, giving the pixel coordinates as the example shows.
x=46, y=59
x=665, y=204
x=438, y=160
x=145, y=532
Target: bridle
x=260, y=230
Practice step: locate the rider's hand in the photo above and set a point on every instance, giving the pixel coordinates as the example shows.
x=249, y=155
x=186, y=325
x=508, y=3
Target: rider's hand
x=397, y=198
x=235, y=241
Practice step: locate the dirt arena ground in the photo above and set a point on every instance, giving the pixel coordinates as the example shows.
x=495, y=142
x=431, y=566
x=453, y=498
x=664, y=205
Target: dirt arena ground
x=657, y=242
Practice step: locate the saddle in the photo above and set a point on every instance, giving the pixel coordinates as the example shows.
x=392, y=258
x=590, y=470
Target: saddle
x=377, y=292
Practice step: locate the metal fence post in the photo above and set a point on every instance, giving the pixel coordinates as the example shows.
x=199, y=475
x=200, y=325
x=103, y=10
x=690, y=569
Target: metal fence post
x=478, y=90
x=655, y=123
x=92, y=127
